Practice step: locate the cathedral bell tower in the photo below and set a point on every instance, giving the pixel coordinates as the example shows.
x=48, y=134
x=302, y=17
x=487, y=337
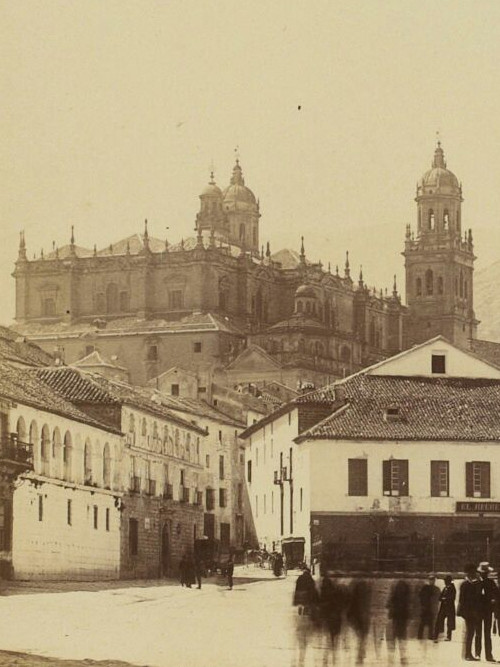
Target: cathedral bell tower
x=439, y=261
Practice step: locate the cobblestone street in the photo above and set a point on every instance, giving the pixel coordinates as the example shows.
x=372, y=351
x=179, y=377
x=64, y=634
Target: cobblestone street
x=161, y=625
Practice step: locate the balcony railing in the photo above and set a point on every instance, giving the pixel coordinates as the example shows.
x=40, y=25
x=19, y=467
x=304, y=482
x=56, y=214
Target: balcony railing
x=168, y=494
x=183, y=494
x=151, y=487
x=12, y=449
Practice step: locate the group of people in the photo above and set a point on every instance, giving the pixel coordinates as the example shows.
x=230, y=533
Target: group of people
x=327, y=606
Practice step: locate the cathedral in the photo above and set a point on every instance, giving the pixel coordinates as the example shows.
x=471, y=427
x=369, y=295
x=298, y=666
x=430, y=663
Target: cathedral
x=224, y=307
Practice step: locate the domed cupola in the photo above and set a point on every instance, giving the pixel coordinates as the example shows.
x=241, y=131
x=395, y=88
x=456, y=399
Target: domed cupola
x=306, y=301
x=439, y=198
x=242, y=211
x=211, y=213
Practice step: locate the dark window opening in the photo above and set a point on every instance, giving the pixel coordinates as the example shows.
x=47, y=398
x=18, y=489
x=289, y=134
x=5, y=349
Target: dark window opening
x=69, y=517
x=96, y=516
x=395, y=477
x=133, y=536
x=249, y=472
x=438, y=363
x=357, y=477
x=440, y=478
x=197, y=347
x=477, y=479
x=174, y=390
x=222, y=498
x=153, y=353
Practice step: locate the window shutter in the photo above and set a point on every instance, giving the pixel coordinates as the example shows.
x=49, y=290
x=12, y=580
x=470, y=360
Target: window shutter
x=404, y=484
x=386, y=477
x=485, y=480
x=435, y=478
x=358, y=477
x=469, y=489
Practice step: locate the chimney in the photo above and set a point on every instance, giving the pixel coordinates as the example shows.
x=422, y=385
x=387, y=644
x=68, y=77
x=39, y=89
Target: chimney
x=339, y=391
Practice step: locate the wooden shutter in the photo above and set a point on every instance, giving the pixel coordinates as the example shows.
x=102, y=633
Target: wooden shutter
x=404, y=482
x=435, y=478
x=358, y=477
x=386, y=477
x=485, y=479
x=469, y=488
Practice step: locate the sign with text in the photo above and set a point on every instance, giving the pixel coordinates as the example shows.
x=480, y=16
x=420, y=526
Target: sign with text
x=477, y=506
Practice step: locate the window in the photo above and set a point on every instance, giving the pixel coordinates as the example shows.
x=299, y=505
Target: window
x=477, y=479
x=222, y=498
x=69, y=517
x=207, y=460
x=174, y=390
x=40, y=507
x=429, y=282
x=183, y=479
x=175, y=299
x=395, y=477
x=210, y=499
x=107, y=519
x=133, y=537
x=249, y=472
x=49, y=307
x=197, y=346
x=440, y=482
x=438, y=363
x=89, y=349
x=357, y=478
x=221, y=466
x=301, y=498
x=96, y=516
x=153, y=353
x=419, y=287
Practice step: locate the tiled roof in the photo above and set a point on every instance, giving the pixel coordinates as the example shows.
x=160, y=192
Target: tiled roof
x=197, y=408
x=487, y=349
x=23, y=386
x=66, y=251
x=94, y=359
x=428, y=408
x=14, y=348
x=193, y=322
x=84, y=388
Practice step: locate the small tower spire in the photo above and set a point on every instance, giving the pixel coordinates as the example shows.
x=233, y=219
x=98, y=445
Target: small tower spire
x=360, y=281
x=22, y=246
x=438, y=160
x=268, y=250
x=347, y=270
x=146, y=235
x=302, y=251
x=394, y=288
x=72, y=241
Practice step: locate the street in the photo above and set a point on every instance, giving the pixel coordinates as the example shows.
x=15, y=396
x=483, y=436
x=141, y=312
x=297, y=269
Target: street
x=163, y=625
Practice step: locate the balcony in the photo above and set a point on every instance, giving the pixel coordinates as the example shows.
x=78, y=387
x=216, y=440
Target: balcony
x=151, y=487
x=183, y=494
x=168, y=494
x=135, y=484
x=198, y=497
x=16, y=456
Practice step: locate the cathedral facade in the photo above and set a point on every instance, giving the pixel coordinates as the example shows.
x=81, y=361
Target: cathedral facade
x=201, y=304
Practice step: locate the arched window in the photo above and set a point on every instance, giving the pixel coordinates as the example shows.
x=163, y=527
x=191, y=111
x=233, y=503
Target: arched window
x=45, y=450
x=155, y=436
x=300, y=306
x=177, y=440
x=429, y=282
x=165, y=439
x=440, y=285
x=67, y=456
x=144, y=427
x=21, y=430
x=131, y=429
x=419, y=287
x=446, y=220
x=431, y=219
x=106, y=467
x=461, y=283
x=371, y=334
x=308, y=307
x=242, y=233
x=188, y=446
x=56, y=451
x=87, y=463
x=111, y=298
x=33, y=440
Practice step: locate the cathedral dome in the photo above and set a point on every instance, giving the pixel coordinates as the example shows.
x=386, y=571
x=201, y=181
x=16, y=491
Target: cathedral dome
x=237, y=191
x=212, y=189
x=438, y=176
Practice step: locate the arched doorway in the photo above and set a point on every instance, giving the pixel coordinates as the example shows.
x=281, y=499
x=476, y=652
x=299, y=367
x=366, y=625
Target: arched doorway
x=165, y=549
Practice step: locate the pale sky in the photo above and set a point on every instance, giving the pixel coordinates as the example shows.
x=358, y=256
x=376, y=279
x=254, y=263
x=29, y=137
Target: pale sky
x=113, y=112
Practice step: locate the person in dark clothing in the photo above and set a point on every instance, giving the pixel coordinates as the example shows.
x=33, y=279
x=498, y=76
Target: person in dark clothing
x=489, y=599
x=359, y=614
x=198, y=570
x=428, y=596
x=277, y=565
x=446, y=609
x=230, y=572
x=189, y=571
x=332, y=600
x=182, y=570
x=306, y=599
x=398, y=607
x=469, y=608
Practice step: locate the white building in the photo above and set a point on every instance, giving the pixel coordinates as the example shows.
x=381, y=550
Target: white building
x=395, y=466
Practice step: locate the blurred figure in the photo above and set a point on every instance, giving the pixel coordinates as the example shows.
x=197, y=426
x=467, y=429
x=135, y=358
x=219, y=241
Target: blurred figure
x=489, y=600
x=189, y=571
x=469, y=608
x=399, y=613
x=332, y=600
x=199, y=570
x=305, y=598
x=277, y=564
x=428, y=597
x=446, y=609
x=359, y=614
x=230, y=572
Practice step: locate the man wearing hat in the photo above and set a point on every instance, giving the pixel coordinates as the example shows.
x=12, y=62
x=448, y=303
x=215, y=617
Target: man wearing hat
x=469, y=608
x=489, y=599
